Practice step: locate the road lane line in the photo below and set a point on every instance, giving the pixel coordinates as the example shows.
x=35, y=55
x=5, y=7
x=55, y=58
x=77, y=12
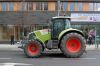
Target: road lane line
x=14, y=64
x=5, y=58
x=88, y=58
x=84, y=58
x=78, y=58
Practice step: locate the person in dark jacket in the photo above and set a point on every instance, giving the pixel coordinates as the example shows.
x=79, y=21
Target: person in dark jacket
x=92, y=34
x=12, y=39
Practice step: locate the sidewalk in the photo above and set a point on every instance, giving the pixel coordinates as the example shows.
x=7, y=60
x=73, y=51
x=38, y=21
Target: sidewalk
x=92, y=47
x=10, y=47
x=15, y=47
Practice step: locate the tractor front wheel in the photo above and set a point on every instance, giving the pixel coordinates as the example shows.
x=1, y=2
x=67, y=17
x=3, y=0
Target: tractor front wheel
x=33, y=49
x=73, y=45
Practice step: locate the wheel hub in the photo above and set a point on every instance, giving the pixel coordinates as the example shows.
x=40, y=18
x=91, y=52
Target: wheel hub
x=73, y=45
x=33, y=49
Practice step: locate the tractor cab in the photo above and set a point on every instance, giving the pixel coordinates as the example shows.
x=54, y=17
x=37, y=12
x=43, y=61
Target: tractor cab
x=58, y=24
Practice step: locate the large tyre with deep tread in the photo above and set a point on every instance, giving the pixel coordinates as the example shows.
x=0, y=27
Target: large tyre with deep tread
x=73, y=45
x=33, y=49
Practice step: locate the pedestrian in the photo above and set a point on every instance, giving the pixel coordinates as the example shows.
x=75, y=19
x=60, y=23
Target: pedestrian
x=86, y=34
x=92, y=34
x=12, y=39
x=90, y=39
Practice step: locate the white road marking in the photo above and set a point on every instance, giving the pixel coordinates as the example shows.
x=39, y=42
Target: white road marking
x=85, y=58
x=5, y=58
x=13, y=64
x=78, y=58
x=88, y=58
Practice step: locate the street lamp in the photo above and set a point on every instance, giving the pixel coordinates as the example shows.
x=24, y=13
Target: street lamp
x=22, y=17
x=59, y=7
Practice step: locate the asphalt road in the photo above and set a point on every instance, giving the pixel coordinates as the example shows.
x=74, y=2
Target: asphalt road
x=91, y=58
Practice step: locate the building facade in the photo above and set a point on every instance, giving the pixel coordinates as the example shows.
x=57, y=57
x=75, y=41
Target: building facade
x=19, y=16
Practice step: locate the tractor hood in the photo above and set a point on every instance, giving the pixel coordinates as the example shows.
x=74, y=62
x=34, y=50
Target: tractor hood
x=43, y=35
x=42, y=32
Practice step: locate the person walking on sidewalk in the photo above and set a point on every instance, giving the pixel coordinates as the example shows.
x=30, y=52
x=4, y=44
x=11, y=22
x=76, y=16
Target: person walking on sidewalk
x=12, y=39
x=92, y=34
x=90, y=39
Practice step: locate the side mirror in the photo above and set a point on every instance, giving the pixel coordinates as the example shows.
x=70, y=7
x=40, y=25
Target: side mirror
x=49, y=26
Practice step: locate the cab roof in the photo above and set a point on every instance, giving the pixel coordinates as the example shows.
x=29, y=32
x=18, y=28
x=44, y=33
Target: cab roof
x=62, y=17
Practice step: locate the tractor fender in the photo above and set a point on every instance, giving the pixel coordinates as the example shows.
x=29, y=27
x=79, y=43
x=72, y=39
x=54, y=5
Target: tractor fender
x=42, y=43
x=69, y=31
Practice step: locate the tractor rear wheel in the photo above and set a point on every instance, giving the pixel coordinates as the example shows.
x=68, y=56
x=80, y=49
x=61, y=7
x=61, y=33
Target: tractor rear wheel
x=73, y=45
x=33, y=49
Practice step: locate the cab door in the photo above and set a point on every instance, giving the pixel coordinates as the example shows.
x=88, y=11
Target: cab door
x=58, y=25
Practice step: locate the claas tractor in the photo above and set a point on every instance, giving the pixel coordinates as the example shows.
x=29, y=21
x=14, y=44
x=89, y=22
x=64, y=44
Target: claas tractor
x=59, y=35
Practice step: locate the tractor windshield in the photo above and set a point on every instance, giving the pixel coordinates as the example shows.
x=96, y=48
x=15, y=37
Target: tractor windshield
x=58, y=25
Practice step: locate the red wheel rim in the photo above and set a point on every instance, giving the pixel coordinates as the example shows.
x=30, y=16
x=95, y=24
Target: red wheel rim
x=73, y=45
x=33, y=49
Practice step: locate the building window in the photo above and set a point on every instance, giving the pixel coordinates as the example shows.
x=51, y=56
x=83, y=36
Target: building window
x=91, y=6
x=64, y=6
x=97, y=6
x=30, y=6
x=4, y=6
x=85, y=6
x=72, y=6
x=23, y=6
x=42, y=6
x=38, y=6
x=34, y=6
x=16, y=6
x=0, y=6
x=45, y=5
x=52, y=6
x=80, y=6
x=11, y=6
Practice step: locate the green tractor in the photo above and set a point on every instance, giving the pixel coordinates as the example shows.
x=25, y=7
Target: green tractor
x=60, y=36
